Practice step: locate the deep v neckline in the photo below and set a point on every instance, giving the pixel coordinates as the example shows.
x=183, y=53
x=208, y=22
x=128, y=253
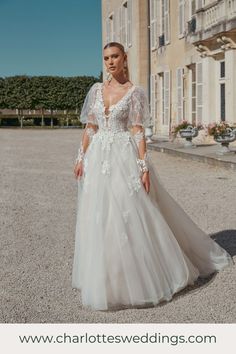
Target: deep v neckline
x=115, y=104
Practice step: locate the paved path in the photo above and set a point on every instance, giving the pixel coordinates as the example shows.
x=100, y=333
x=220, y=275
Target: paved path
x=38, y=214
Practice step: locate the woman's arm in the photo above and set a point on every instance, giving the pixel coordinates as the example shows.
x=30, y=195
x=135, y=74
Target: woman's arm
x=142, y=160
x=90, y=130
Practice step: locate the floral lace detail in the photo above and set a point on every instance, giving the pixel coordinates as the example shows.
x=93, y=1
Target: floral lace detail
x=123, y=238
x=106, y=139
x=139, y=136
x=85, y=164
x=125, y=215
x=90, y=132
x=134, y=183
x=106, y=168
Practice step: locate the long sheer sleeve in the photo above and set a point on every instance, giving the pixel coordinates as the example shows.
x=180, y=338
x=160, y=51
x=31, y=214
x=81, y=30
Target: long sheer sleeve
x=88, y=117
x=87, y=112
x=139, y=109
x=139, y=119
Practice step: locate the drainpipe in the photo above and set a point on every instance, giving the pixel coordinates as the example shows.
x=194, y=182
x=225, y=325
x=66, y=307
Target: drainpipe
x=149, y=130
x=149, y=56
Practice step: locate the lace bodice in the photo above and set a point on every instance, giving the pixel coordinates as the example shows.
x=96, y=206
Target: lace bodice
x=131, y=109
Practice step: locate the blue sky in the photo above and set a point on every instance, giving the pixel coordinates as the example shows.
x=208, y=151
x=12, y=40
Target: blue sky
x=50, y=37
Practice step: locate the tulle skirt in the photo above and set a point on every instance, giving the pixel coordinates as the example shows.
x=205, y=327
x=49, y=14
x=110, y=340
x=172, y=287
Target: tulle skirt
x=132, y=247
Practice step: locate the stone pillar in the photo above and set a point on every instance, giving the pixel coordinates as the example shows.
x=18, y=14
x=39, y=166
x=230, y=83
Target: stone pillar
x=208, y=93
x=230, y=86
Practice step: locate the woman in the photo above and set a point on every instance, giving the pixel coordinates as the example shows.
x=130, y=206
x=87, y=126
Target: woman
x=134, y=244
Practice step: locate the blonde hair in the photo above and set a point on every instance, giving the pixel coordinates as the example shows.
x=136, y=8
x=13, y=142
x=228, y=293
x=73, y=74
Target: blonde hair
x=121, y=47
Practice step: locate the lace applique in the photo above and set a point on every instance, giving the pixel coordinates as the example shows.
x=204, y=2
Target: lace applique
x=85, y=165
x=125, y=215
x=139, y=136
x=106, y=168
x=106, y=139
x=90, y=132
x=134, y=183
x=123, y=238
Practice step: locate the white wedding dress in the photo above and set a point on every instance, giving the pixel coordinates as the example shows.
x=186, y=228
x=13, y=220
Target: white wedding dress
x=131, y=248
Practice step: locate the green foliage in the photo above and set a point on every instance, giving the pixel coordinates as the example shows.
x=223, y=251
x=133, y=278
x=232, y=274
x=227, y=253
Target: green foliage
x=44, y=92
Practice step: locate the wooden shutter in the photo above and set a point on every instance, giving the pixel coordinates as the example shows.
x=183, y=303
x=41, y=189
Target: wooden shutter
x=167, y=20
x=154, y=98
x=180, y=94
x=114, y=26
x=181, y=17
x=107, y=31
x=153, y=24
x=199, y=92
x=166, y=97
x=129, y=23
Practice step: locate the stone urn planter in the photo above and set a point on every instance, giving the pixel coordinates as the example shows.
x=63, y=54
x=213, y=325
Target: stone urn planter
x=225, y=139
x=189, y=133
x=148, y=134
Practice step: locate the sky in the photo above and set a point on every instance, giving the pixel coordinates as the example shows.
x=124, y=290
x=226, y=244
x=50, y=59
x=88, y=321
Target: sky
x=50, y=37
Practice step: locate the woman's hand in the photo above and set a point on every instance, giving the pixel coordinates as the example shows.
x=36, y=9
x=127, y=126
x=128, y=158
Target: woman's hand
x=78, y=170
x=146, y=181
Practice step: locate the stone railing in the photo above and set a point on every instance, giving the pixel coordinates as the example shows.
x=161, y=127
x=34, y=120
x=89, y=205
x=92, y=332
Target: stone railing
x=211, y=18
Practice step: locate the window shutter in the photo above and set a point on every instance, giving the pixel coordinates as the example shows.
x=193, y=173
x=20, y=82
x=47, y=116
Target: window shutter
x=107, y=31
x=198, y=4
x=158, y=17
x=199, y=87
x=181, y=17
x=129, y=23
x=167, y=21
x=153, y=97
x=166, y=97
x=153, y=24
x=180, y=95
x=114, y=26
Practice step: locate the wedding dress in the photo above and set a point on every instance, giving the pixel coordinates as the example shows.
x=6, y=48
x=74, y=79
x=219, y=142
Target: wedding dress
x=131, y=247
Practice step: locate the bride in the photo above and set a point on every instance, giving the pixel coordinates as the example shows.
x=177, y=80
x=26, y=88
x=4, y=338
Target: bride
x=134, y=245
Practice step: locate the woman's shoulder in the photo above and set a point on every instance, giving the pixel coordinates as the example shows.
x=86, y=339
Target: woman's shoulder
x=139, y=90
x=96, y=85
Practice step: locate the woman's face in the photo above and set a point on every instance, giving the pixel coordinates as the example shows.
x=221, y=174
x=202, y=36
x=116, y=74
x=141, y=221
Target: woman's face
x=114, y=60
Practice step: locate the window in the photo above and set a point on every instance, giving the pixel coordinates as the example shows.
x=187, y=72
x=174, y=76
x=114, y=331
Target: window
x=153, y=97
x=163, y=21
x=199, y=92
x=153, y=23
x=165, y=97
x=110, y=28
x=180, y=94
x=125, y=24
x=222, y=101
x=130, y=16
x=193, y=89
x=222, y=90
x=181, y=18
x=222, y=69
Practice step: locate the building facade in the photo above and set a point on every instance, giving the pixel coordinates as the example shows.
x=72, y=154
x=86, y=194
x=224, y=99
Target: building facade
x=182, y=52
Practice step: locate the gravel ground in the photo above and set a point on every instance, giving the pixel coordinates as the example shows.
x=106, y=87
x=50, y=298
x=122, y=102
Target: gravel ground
x=38, y=215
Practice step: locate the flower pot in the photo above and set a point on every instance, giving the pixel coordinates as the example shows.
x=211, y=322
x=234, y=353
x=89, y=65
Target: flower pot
x=225, y=139
x=188, y=133
x=148, y=134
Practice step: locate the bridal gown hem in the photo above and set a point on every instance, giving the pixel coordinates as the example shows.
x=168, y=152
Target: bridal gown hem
x=131, y=247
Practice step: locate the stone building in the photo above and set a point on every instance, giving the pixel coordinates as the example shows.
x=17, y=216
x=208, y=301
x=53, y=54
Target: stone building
x=182, y=52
